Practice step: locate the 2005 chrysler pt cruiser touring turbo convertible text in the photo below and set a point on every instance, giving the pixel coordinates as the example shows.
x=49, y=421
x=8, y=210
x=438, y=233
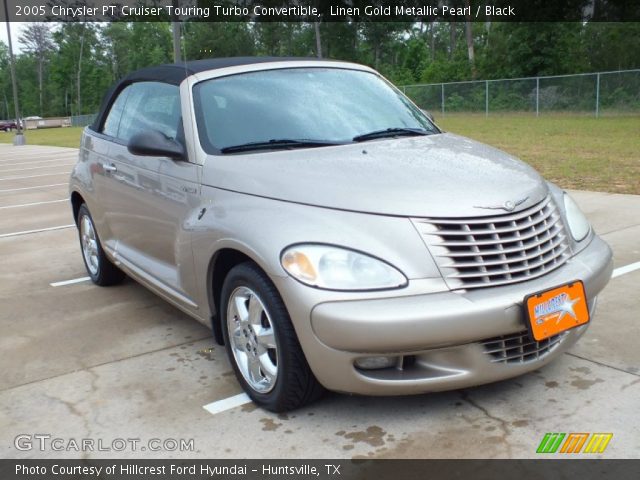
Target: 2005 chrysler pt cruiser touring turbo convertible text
x=329, y=233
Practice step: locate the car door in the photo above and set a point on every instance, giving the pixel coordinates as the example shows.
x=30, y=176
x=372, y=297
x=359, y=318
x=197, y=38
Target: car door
x=149, y=199
x=95, y=152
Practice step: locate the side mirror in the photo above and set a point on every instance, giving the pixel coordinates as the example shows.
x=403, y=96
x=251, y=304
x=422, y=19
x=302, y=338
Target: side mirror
x=152, y=143
x=428, y=114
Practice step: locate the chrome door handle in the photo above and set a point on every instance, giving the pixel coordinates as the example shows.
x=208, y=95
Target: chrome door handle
x=109, y=167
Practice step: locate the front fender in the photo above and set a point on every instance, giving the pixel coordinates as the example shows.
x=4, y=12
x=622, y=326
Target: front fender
x=261, y=228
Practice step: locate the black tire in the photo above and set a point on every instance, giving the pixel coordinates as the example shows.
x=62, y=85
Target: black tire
x=295, y=384
x=106, y=273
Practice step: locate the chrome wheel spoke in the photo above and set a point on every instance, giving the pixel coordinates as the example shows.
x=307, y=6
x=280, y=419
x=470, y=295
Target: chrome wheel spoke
x=255, y=311
x=233, y=317
x=266, y=338
x=86, y=225
x=243, y=361
x=240, y=306
x=239, y=341
x=94, y=261
x=266, y=365
x=254, y=369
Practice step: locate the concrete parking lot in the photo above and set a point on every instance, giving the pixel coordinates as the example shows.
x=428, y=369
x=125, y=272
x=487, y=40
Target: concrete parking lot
x=80, y=361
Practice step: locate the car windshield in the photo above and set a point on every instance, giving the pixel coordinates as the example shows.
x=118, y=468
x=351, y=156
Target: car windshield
x=301, y=108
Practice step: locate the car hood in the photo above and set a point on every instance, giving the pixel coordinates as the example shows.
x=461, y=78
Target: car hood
x=442, y=175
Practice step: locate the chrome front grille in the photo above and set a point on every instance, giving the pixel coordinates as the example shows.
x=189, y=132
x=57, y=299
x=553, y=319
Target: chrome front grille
x=519, y=347
x=497, y=250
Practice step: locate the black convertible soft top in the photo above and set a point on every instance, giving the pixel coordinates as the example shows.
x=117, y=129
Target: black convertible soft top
x=175, y=73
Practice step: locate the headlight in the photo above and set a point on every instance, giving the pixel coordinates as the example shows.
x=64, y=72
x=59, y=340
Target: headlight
x=335, y=268
x=578, y=223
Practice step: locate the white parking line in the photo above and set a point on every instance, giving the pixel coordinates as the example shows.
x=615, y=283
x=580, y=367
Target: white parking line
x=35, y=168
x=626, y=269
x=34, y=176
x=31, y=188
x=227, y=403
x=26, y=232
x=70, y=282
x=242, y=399
x=57, y=160
x=34, y=203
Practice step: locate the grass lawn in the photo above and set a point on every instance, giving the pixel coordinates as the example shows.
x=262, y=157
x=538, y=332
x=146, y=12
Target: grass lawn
x=57, y=137
x=573, y=151
x=584, y=153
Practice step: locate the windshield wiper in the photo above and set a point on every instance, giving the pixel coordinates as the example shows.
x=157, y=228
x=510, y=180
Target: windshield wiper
x=277, y=143
x=391, y=132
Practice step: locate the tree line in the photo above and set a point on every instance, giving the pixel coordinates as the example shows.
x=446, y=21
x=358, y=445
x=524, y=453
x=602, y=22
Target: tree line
x=65, y=69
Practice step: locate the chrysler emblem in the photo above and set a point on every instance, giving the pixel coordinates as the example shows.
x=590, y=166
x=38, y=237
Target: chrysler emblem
x=509, y=205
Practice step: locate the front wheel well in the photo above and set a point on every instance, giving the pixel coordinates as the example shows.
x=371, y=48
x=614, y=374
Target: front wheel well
x=76, y=203
x=222, y=263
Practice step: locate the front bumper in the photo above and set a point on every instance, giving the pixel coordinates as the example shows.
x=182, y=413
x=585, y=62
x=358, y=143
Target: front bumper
x=442, y=333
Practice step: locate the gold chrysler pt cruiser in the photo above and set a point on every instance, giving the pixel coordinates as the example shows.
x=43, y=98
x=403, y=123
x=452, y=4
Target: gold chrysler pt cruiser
x=330, y=234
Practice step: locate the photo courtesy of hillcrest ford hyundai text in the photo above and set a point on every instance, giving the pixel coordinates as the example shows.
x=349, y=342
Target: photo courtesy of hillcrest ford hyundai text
x=329, y=232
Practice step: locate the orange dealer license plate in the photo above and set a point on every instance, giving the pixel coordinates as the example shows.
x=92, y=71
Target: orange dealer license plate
x=553, y=311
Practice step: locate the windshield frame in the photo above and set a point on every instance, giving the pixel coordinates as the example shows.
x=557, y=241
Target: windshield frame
x=203, y=139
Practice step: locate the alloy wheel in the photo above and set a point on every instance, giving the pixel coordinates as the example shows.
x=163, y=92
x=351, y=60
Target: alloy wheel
x=252, y=339
x=89, y=244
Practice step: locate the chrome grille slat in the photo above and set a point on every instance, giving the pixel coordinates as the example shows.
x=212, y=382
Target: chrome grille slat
x=513, y=228
x=541, y=262
x=523, y=335
x=513, y=239
x=498, y=249
x=496, y=283
x=519, y=347
x=558, y=240
x=524, y=353
x=520, y=337
x=506, y=260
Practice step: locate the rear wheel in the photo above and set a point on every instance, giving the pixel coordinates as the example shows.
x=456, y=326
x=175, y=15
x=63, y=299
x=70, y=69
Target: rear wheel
x=262, y=344
x=99, y=267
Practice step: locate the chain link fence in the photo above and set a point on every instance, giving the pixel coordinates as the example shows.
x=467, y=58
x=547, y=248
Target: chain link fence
x=597, y=94
x=83, y=120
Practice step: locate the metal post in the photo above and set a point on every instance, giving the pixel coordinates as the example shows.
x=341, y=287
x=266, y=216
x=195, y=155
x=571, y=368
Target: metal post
x=316, y=28
x=19, y=138
x=442, y=99
x=537, y=96
x=486, y=98
x=175, y=29
x=597, y=95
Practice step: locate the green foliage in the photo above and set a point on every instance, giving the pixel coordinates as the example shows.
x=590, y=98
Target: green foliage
x=25, y=66
x=79, y=50
x=207, y=40
x=531, y=49
x=612, y=46
x=121, y=39
x=5, y=83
